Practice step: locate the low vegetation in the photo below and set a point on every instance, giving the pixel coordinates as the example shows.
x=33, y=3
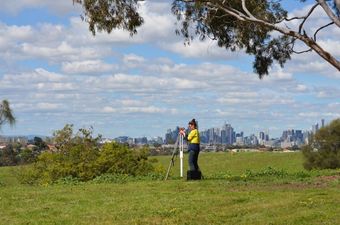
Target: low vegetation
x=323, y=151
x=79, y=157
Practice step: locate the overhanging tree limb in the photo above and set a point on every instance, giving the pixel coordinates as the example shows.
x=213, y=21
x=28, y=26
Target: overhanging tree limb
x=234, y=24
x=329, y=12
x=304, y=38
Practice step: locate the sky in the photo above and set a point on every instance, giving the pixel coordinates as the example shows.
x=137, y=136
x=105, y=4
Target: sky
x=53, y=72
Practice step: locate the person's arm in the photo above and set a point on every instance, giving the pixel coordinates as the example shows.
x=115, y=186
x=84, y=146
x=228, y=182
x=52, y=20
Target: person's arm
x=191, y=135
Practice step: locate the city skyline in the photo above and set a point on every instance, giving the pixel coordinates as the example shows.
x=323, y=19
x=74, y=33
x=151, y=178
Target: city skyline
x=230, y=135
x=312, y=129
x=54, y=72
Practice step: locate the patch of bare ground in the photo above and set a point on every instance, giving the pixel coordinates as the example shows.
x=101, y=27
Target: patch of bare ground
x=327, y=179
x=298, y=186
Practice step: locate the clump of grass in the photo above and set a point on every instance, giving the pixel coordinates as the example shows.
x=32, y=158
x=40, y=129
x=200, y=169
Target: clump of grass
x=69, y=180
x=266, y=174
x=124, y=178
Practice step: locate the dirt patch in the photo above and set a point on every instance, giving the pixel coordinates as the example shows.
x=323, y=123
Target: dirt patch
x=327, y=179
x=301, y=186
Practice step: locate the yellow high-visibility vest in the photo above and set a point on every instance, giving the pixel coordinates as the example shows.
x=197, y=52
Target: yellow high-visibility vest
x=194, y=137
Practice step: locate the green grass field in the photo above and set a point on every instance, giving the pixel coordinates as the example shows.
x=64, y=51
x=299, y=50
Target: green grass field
x=294, y=196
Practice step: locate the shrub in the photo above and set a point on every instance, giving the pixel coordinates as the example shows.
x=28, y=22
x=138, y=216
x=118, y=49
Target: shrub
x=79, y=158
x=323, y=151
x=8, y=156
x=119, y=159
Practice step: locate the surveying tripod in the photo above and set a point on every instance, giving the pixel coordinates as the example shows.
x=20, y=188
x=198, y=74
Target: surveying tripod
x=178, y=147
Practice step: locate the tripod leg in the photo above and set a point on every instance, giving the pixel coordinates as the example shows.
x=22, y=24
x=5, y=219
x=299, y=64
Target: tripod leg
x=172, y=161
x=171, y=164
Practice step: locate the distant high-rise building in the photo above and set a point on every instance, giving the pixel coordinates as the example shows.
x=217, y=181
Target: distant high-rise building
x=322, y=123
x=229, y=131
x=171, y=136
x=267, y=137
x=224, y=136
x=261, y=136
x=315, y=128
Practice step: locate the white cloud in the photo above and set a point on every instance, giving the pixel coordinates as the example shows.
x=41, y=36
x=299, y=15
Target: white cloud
x=61, y=6
x=128, y=110
x=133, y=60
x=334, y=105
x=47, y=106
x=278, y=74
x=10, y=35
x=55, y=86
x=137, y=83
x=327, y=92
x=207, y=49
x=62, y=52
x=88, y=67
x=254, y=101
x=38, y=75
x=301, y=88
x=329, y=45
x=131, y=102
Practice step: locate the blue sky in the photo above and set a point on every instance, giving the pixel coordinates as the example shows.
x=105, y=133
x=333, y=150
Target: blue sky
x=53, y=72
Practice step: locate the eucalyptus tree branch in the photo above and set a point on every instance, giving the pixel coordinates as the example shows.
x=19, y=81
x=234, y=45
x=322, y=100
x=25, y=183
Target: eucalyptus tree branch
x=126, y=17
x=329, y=12
x=298, y=52
x=233, y=12
x=321, y=29
x=244, y=7
x=306, y=17
x=303, y=37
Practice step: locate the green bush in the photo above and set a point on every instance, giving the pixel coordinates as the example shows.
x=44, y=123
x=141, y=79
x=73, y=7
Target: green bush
x=80, y=158
x=120, y=159
x=323, y=151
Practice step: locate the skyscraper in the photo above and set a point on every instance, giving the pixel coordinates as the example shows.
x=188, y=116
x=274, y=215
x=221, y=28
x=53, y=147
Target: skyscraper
x=229, y=133
x=315, y=128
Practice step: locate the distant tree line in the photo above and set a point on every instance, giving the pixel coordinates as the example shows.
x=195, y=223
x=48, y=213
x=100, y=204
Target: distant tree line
x=17, y=154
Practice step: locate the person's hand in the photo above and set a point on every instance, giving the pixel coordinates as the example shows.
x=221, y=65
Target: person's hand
x=182, y=132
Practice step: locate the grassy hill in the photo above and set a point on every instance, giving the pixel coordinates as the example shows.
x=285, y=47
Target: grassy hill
x=240, y=188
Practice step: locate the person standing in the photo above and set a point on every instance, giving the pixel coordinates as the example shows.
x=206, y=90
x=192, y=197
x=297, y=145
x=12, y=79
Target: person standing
x=193, y=139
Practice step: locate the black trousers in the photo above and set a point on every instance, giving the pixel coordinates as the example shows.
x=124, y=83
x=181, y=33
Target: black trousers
x=194, y=150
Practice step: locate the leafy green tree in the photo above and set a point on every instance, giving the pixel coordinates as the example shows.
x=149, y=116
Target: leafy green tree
x=39, y=142
x=27, y=156
x=234, y=24
x=63, y=138
x=323, y=151
x=8, y=157
x=6, y=114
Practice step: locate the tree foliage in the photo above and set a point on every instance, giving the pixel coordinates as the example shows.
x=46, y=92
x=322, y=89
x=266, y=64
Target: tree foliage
x=234, y=24
x=6, y=114
x=323, y=151
x=14, y=154
x=8, y=156
x=80, y=156
x=40, y=143
x=116, y=158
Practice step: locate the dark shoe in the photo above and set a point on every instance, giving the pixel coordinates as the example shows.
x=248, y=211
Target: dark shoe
x=194, y=175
